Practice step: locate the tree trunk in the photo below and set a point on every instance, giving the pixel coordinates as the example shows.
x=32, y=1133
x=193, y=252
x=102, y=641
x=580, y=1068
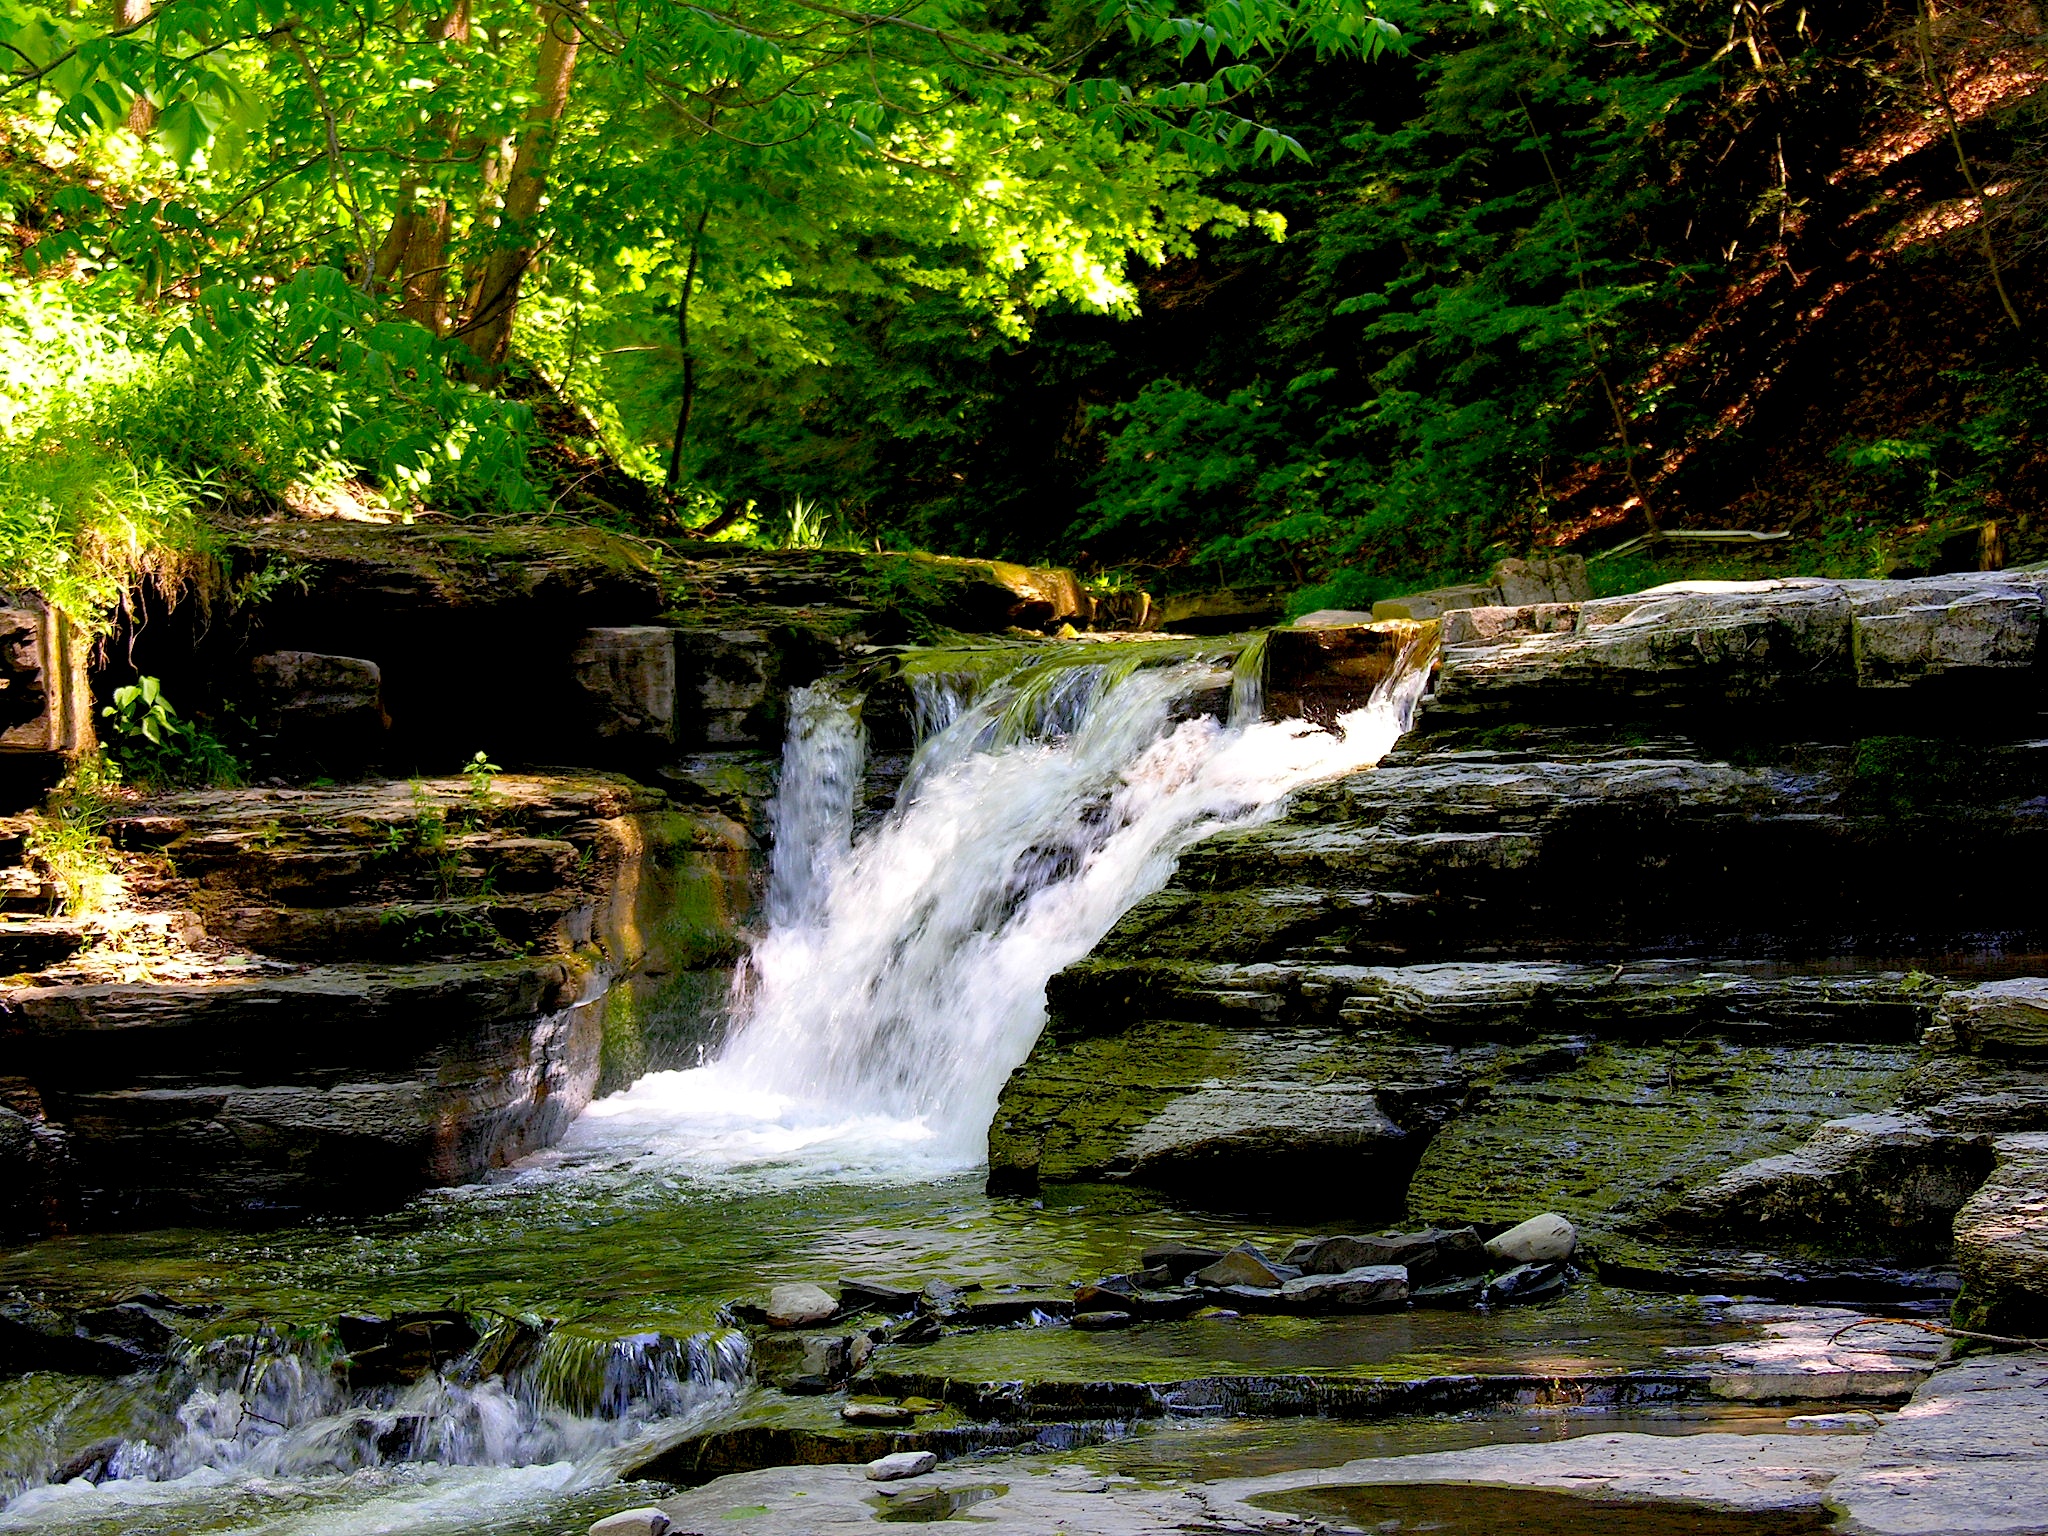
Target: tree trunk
x=417, y=242
x=141, y=111
x=496, y=279
x=689, y=400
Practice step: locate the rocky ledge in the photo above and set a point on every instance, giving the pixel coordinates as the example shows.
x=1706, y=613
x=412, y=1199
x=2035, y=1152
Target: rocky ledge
x=333, y=997
x=1738, y=989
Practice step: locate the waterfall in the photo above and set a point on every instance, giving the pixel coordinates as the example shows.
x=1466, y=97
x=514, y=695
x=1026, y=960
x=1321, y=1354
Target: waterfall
x=902, y=974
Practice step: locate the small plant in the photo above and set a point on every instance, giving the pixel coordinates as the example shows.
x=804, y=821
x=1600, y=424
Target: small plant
x=156, y=745
x=807, y=521
x=478, y=770
x=70, y=838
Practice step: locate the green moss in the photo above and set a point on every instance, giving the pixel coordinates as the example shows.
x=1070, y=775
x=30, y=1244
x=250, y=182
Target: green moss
x=1915, y=776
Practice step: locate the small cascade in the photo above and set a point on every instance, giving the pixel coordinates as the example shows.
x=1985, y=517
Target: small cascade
x=263, y=1406
x=902, y=976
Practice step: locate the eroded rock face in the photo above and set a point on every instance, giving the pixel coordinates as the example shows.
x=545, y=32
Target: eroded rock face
x=2001, y=1238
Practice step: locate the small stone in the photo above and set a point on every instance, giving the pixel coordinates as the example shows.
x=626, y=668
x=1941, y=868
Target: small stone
x=799, y=1306
x=876, y=1413
x=1356, y=1290
x=1853, y=1420
x=632, y=1522
x=900, y=1465
x=1242, y=1266
x=1526, y=1283
x=1100, y=1322
x=1545, y=1239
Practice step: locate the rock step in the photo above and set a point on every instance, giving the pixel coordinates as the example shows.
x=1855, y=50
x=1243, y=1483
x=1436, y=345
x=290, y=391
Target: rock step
x=462, y=927
x=1451, y=849
x=1445, y=1094
x=1456, y=1001
x=276, y=1025
x=33, y=944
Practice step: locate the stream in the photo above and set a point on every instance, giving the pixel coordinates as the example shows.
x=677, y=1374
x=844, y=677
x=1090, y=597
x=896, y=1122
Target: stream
x=899, y=979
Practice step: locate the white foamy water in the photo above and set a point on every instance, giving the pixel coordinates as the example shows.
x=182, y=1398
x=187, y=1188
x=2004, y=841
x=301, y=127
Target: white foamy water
x=257, y=1433
x=902, y=977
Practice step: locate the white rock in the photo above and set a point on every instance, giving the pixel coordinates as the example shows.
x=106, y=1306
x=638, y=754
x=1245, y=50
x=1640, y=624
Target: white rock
x=799, y=1306
x=902, y=1464
x=1545, y=1239
x=1853, y=1420
x=632, y=1522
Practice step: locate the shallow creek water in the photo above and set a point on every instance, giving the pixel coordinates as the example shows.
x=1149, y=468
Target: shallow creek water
x=900, y=979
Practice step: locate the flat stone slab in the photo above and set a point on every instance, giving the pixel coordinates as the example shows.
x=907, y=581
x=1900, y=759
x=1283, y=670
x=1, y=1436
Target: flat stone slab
x=1737, y=1472
x=1967, y=1457
x=1000, y=1498
x=1804, y=1354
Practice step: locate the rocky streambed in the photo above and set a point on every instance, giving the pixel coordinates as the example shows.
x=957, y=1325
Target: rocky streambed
x=1697, y=926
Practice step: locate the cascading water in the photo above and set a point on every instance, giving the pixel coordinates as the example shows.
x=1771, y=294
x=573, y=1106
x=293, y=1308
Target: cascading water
x=902, y=976
x=273, y=1414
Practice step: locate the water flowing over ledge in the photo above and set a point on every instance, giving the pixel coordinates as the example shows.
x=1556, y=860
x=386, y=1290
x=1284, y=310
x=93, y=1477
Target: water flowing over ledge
x=902, y=974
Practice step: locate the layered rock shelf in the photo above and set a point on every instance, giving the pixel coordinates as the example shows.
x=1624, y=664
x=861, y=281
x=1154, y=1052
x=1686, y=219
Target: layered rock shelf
x=1697, y=916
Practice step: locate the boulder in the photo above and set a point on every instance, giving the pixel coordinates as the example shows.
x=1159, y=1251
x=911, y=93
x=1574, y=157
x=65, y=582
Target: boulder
x=1542, y=579
x=1526, y=1283
x=2001, y=1242
x=875, y=1296
x=1220, y=612
x=1436, y=602
x=1911, y=632
x=632, y=1522
x=1423, y=1255
x=1274, y=1146
x=1496, y=626
x=902, y=1464
x=627, y=681
x=1801, y=639
x=1545, y=1239
x=800, y=1305
x=1243, y=1266
x=1516, y=583
x=1364, y=1289
x=1102, y=1322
